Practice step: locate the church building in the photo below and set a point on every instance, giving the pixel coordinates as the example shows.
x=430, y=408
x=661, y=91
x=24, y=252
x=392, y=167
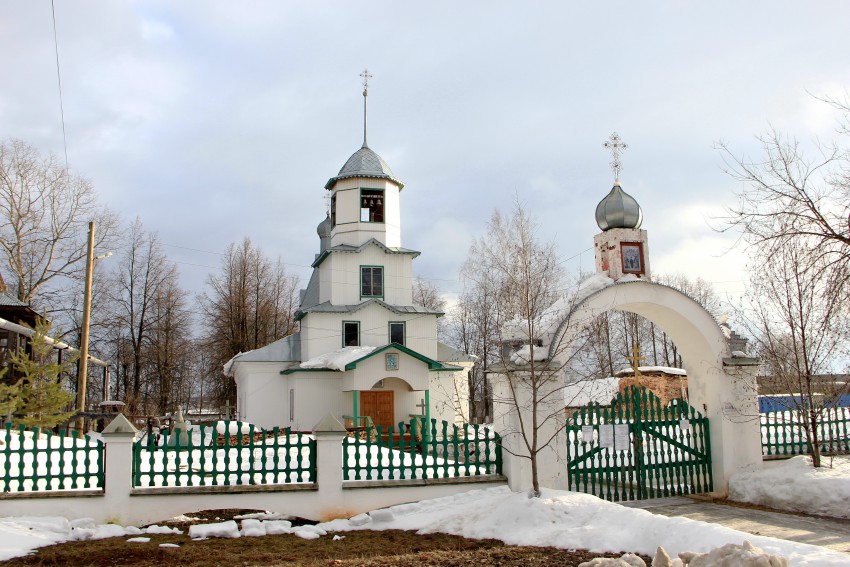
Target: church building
x=364, y=348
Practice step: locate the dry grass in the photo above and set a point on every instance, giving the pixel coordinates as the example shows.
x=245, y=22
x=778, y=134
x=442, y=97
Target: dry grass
x=385, y=548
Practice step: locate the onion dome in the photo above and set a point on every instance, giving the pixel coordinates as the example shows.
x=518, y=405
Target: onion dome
x=618, y=210
x=364, y=163
x=324, y=228
x=324, y=232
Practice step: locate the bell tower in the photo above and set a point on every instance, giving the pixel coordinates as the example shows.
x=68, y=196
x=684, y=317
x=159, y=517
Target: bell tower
x=622, y=248
x=364, y=195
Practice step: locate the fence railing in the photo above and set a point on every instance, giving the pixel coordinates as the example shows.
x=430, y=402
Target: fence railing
x=408, y=452
x=782, y=433
x=225, y=454
x=33, y=461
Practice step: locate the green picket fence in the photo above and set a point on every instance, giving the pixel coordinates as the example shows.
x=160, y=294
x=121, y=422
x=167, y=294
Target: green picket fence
x=234, y=454
x=31, y=461
x=636, y=448
x=407, y=452
x=782, y=435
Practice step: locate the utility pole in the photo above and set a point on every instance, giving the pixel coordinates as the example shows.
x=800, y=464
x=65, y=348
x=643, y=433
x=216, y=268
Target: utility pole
x=83, y=366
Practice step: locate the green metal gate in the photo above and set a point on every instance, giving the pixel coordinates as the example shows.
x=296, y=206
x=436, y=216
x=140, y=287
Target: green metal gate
x=636, y=449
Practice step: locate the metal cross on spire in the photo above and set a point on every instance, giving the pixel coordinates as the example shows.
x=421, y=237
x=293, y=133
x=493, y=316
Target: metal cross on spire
x=366, y=76
x=616, y=146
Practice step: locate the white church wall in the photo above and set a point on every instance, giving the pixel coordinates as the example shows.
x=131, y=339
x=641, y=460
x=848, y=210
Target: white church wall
x=262, y=394
x=322, y=332
x=345, y=271
x=316, y=395
x=449, y=395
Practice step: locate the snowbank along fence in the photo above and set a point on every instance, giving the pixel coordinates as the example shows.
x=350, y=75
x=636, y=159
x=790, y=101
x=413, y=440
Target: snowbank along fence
x=236, y=465
x=442, y=451
x=783, y=436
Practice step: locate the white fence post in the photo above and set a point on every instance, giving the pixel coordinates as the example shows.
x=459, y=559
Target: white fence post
x=329, y=434
x=118, y=438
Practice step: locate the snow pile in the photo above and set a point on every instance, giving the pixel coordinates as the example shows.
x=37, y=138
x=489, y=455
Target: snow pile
x=227, y=529
x=646, y=369
x=139, y=540
x=253, y=528
x=524, y=355
x=233, y=427
x=338, y=359
x=19, y=536
x=584, y=392
x=569, y=520
x=797, y=486
x=745, y=555
x=162, y=530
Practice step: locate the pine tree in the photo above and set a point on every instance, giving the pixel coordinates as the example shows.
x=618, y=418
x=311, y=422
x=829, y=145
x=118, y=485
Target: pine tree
x=9, y=396
x=42, y=400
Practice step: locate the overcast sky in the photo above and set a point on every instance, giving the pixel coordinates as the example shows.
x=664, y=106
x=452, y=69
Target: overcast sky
x=212, y=121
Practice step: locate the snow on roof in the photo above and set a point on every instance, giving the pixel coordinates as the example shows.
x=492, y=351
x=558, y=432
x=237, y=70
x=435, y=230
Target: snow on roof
x=648, y=369
x=598, y=390
x=287, y=349
x=338, y=359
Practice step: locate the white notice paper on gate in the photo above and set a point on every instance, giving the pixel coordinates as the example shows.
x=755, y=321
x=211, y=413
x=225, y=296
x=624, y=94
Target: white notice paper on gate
x=684, y=424
x=621, y=437
x=587, y=433
x=606, y=435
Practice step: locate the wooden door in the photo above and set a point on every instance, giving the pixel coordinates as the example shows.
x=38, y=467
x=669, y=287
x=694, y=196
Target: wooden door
x=379, y=406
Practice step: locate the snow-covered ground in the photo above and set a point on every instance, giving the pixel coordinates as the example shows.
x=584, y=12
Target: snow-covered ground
x=795, y=485
x=559, y=519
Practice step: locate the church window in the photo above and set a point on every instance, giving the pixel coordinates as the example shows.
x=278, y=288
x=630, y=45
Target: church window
x=397, y=332
x=371, y=281
x=333, y=210
x=371, y=205
x=350, y=333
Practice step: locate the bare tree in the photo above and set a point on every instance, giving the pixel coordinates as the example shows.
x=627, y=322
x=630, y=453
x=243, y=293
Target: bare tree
x=141, y=278
x=802, y=334
x=44, y=213
x=527, y=282
x=791, y=199
x=249, y=304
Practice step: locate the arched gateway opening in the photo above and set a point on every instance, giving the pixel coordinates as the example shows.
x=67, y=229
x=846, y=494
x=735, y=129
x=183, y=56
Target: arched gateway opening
x=720, y=386
x=721, y=379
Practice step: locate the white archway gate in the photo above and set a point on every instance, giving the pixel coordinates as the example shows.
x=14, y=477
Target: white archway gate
x=721, y=387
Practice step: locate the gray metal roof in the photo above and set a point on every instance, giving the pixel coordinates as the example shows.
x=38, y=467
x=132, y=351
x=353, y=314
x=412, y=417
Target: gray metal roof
x=287, y=349
x=364, y=163
x=446, y=353
x=354, y=249
x=327, y=307
x=9, y=300
x=311, y=294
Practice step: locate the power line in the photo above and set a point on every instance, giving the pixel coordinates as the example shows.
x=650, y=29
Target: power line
x=59, y=80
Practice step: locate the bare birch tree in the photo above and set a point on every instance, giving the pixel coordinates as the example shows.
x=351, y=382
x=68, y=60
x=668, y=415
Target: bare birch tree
x=794, y=215
x=527, y=282
x=140, y=279
x=44, y=213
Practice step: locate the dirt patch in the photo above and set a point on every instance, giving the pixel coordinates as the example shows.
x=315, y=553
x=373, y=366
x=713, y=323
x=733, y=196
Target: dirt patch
x=390, y=547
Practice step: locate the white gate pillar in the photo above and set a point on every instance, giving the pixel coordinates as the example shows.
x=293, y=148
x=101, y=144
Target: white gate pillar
x=513, y=413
